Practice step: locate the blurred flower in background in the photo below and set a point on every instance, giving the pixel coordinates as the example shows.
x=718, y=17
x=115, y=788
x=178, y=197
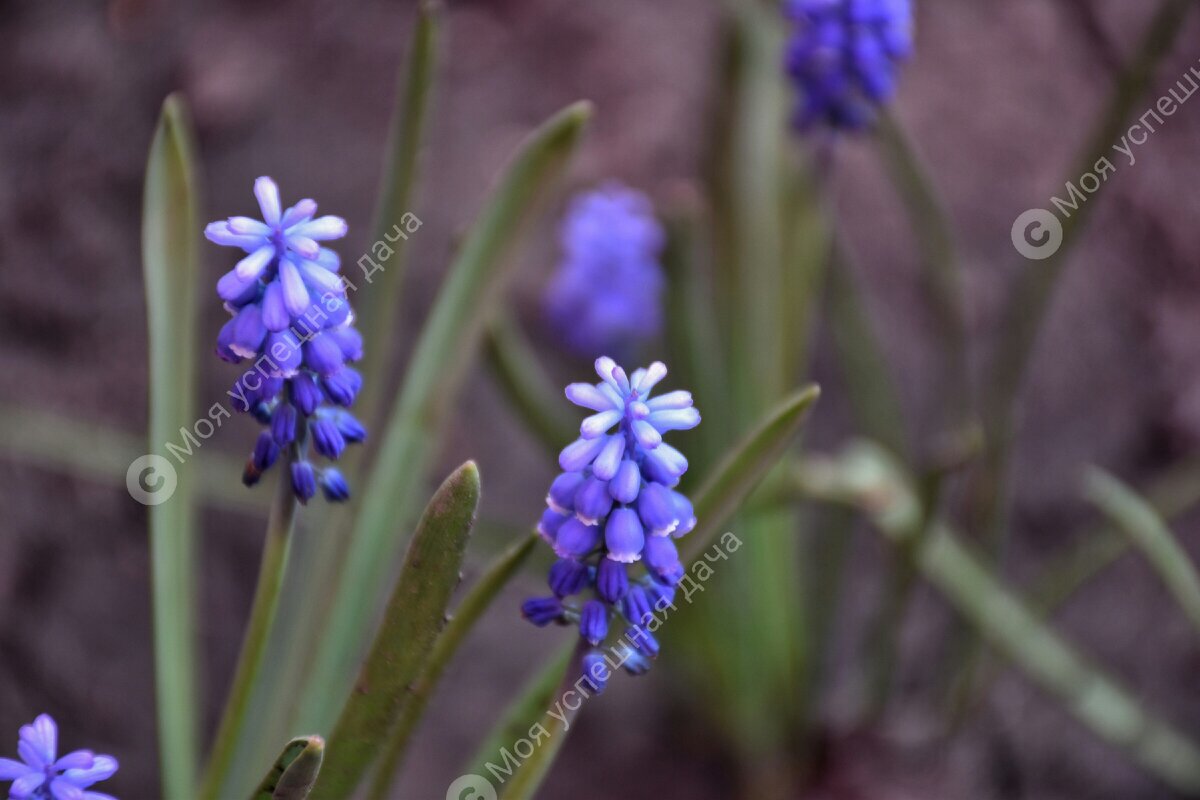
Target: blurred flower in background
x=844, y=56
x=606, y=295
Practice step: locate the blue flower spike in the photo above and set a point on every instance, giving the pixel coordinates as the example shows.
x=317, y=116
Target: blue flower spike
x=606, y=294
x=42, y=775
x=844, y=57
x=614, y=507
x=291, y=320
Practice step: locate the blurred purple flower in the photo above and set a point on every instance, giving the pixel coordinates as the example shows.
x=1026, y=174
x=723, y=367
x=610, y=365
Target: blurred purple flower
x=844, y=56
x=607, y=292
x=41, y=775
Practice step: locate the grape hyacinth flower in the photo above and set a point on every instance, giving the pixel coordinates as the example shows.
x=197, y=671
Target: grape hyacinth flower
x=614, y=505
x=41, y=775
x=290, y=317
x=607, y=292
x=844, y=56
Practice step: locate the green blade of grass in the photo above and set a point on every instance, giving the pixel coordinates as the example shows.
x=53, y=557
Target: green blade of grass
x=1138, y=520
x=867, y=477
x=745, y=465
x=528, y=777
x=530, y=705
x=97, y=452
x=294, y=772
x=469, y=611
x=443, y=354
x=412, y=622
x=170, y=237
x=377, y=306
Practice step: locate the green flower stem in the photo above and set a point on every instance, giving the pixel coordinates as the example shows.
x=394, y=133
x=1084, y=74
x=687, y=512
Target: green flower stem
x=529, y=390
x=262, y=614
x=528, y=777
x=469, y=611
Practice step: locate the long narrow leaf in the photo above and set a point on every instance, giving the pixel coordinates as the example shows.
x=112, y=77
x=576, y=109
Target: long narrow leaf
x=868, y=477
x=745, y=466
x=469, y=611
x=443, y=354
x=1146, y=529
x=378, y=304
x=537, y=696
x=294, y=772
x=101, y=453
x=413, y=620
x=170, y=231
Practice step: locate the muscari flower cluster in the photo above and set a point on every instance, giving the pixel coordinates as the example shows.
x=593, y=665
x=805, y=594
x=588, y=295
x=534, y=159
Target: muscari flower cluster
x=606, y=293
x=844, y=56
x=291, y=317
x=42, y=775
x=613, y=505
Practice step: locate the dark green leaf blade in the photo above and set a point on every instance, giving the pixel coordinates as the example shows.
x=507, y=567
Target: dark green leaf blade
x=415, y=616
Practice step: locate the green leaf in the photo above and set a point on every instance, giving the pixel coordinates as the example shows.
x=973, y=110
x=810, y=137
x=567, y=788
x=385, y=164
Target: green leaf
x=1083, y=689
x=95, y=451
x=1171, y=494
x=414, y=617
x=170, y=237
x=535, y=399
x=1146, y=529
x=869, y=478
x=443, y=354
x=295, y=771
x=745, y=466
x=469, y=611
x=377, y=308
